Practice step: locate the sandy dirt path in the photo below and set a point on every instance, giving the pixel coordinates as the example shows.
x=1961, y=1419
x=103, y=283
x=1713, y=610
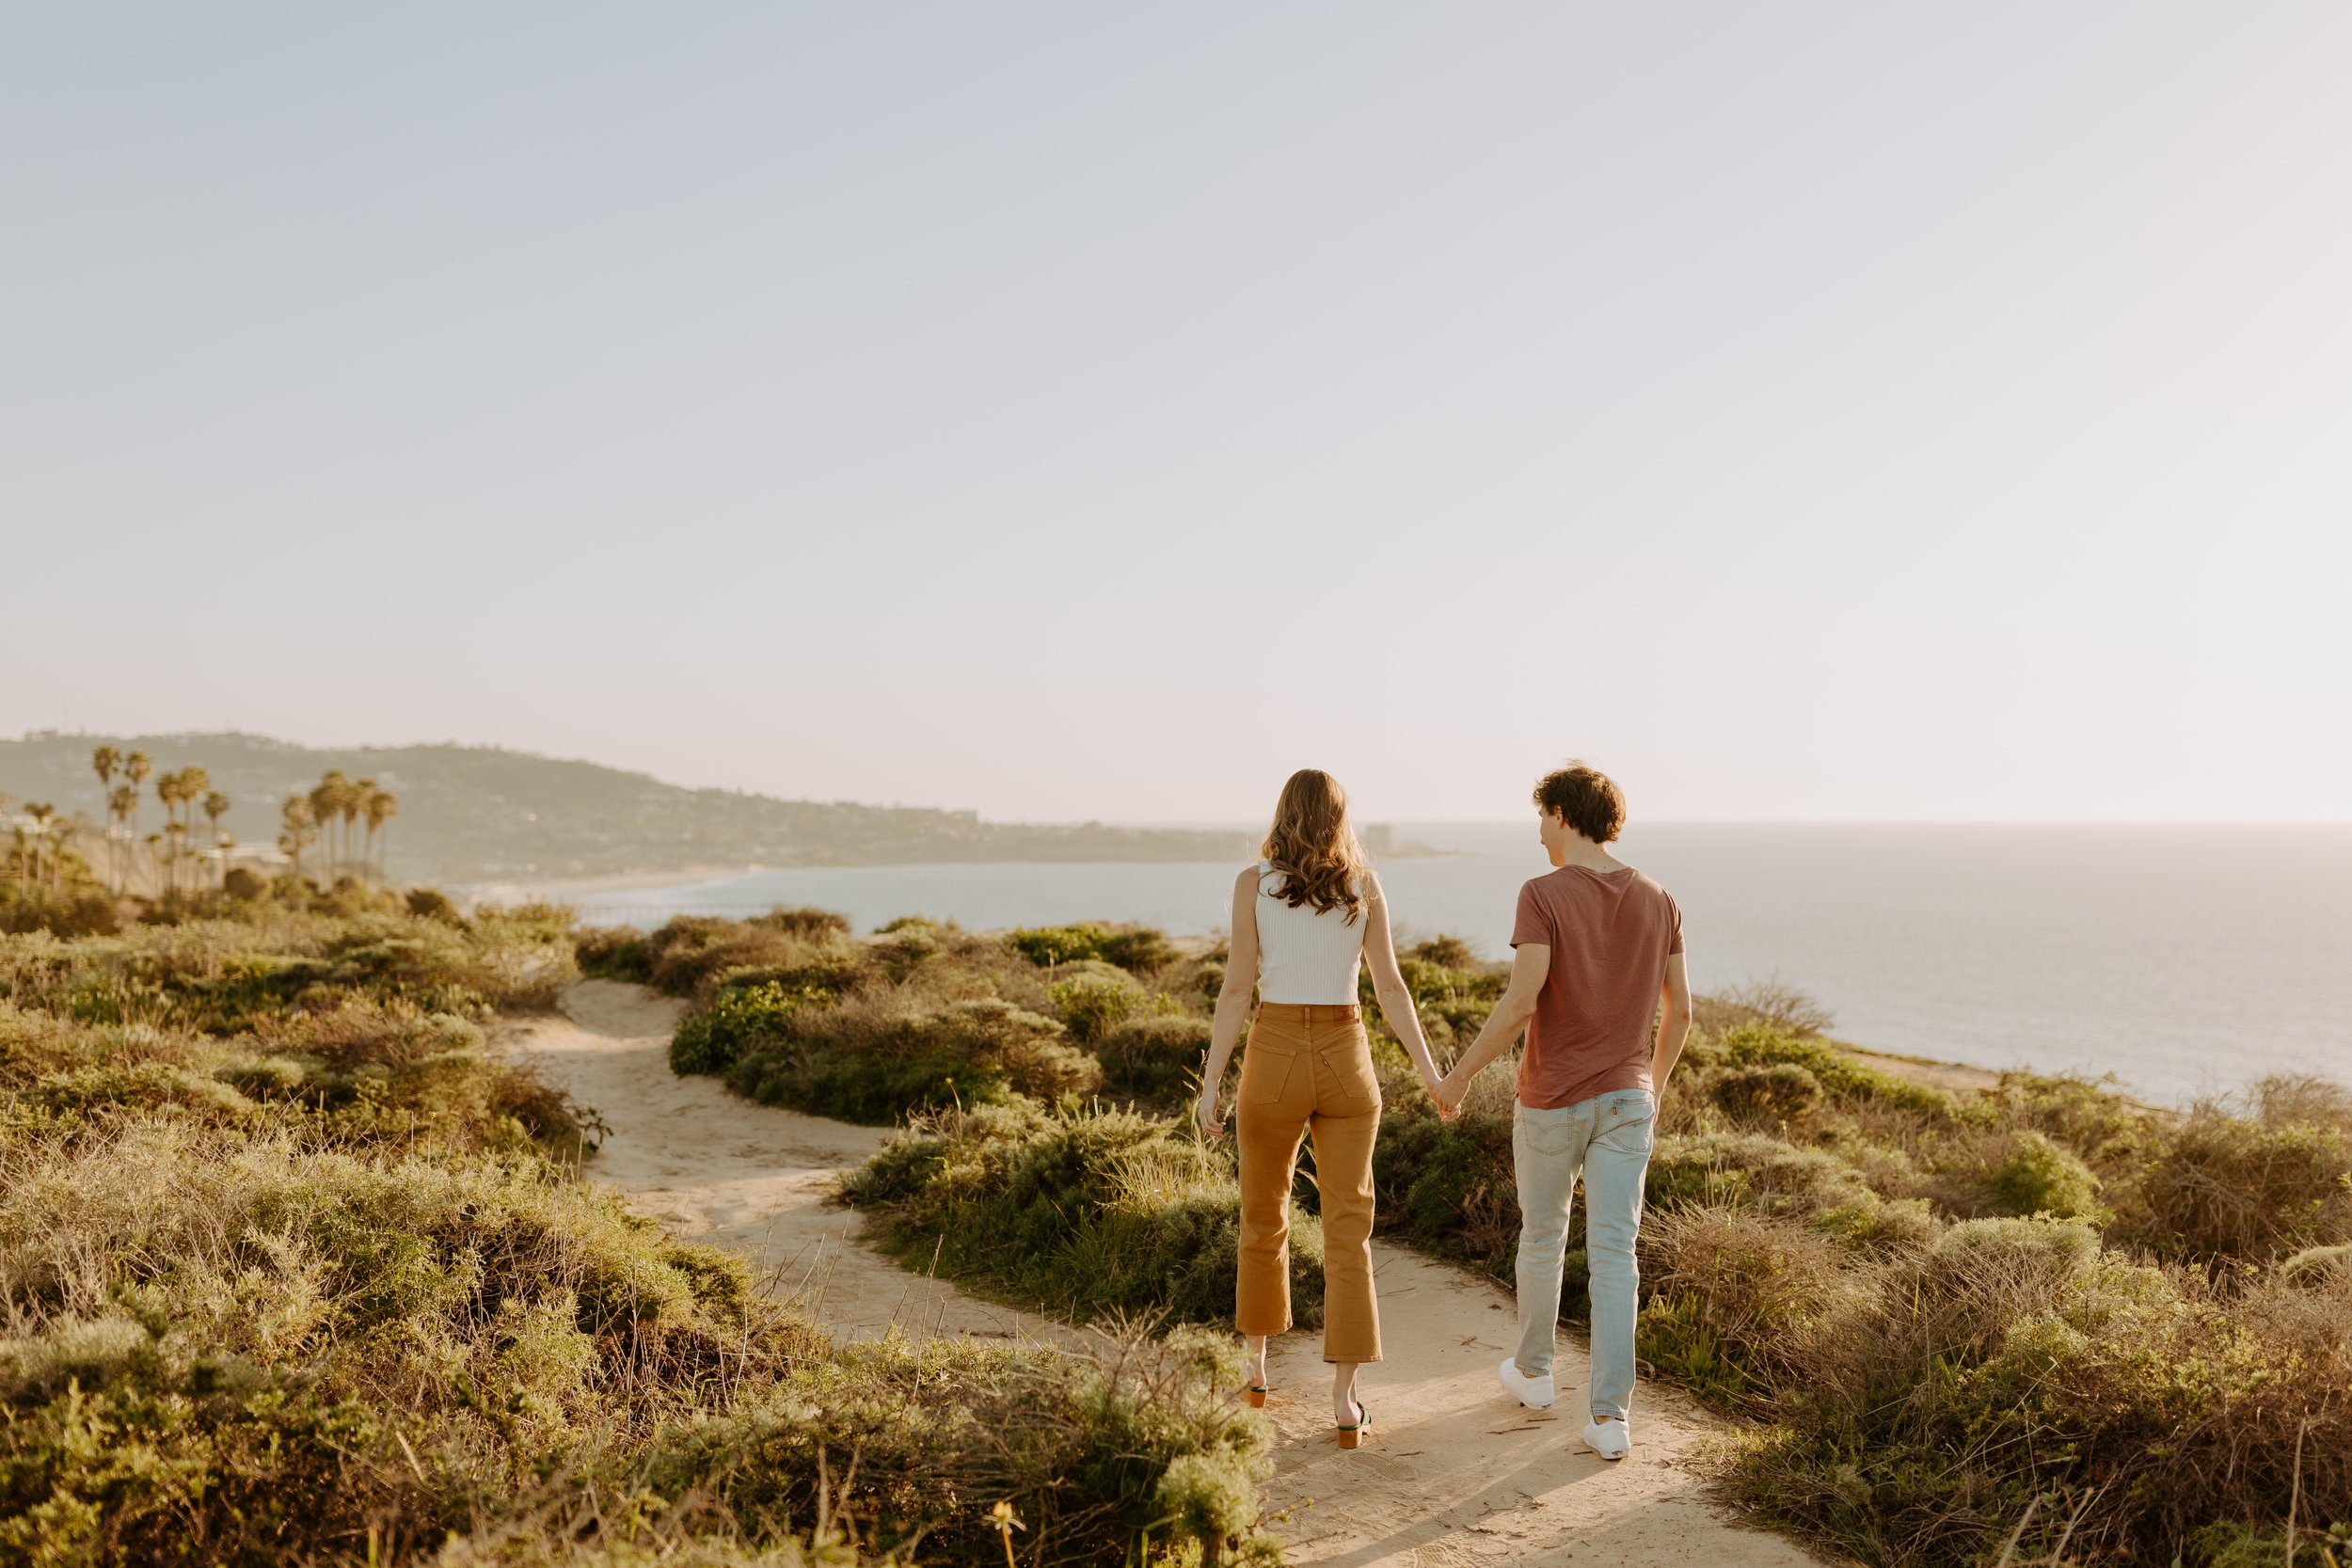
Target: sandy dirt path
x=1455, y=1473
x=714, y=1167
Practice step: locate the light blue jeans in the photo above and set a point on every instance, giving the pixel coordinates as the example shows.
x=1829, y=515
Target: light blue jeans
x=1608, y=1138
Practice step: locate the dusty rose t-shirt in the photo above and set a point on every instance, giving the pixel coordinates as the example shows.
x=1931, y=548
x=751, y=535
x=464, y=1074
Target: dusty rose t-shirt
x=1609, y=934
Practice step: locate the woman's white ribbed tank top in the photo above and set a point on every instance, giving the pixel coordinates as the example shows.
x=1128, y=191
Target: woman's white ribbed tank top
x=1304, y=954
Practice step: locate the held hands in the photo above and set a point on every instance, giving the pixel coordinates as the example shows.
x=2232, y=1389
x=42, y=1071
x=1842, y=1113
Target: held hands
x=1446, y=1094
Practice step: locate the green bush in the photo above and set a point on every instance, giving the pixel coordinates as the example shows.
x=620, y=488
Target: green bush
x=740, y=1019
x=803, y=921
x=2043, y=1177
x=1091, y=1005
x=1448, y=1188
x=1757, y=1045
x=875, y=1062
x=1139, y=949
x=614, y=953
x=1781, y=1092
x=2221, y=1187
x=431, y=903
x=1156, y=1059
x=1097, y=1456
x=1092, y=1212
x=691, y=954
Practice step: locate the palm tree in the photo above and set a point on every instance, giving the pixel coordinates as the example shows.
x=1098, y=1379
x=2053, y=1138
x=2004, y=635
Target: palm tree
x=383, y=805
x=40, y=812
x=121, y=805
x=300, y=829
x=61, y=833
x=106, y=762
x=136, y=768
x=217, y=807
x=168, y=868
x=354, y=801
x=326, y=803
x=195, y=784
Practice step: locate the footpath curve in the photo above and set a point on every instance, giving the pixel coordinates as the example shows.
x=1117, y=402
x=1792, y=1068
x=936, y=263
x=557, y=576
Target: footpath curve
x=1457, y=1473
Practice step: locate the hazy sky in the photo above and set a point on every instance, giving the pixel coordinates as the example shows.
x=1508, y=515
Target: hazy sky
x=1081, y=410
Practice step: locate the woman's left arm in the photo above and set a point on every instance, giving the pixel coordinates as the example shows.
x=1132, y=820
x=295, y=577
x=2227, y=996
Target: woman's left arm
x=1387, y=984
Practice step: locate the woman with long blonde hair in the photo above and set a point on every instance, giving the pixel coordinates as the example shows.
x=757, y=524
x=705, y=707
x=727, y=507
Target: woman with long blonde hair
x=1304, y=917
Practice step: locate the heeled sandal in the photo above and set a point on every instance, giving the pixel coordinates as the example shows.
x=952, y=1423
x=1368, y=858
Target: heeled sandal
x=1353, y=1437
x=1257, y=1392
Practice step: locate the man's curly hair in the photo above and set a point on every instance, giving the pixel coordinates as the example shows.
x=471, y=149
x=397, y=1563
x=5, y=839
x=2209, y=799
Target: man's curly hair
x=1585, y=797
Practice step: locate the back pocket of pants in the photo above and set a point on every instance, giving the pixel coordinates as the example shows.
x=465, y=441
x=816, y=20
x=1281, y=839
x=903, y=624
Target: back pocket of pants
x=1355, y=1082
x=1626, y=1121
x=1265, y=1073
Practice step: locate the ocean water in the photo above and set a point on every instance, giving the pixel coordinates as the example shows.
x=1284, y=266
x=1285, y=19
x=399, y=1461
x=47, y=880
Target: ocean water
x=2181, y=959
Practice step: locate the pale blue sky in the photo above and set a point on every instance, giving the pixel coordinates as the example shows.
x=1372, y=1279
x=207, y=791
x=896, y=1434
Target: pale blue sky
x=1804, y=411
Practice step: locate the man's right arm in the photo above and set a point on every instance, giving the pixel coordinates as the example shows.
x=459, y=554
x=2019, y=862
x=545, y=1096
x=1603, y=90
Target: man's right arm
x=1675, y=1027
x=1530, y=963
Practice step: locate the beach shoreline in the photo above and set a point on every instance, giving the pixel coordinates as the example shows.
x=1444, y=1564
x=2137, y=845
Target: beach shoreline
x=566, y=890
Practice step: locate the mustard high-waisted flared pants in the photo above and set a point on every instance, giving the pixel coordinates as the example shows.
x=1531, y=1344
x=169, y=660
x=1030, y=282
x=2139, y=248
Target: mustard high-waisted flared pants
x=1307, y=1070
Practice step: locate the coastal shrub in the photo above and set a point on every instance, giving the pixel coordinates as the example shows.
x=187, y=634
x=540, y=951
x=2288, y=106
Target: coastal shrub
x=1842, y=1077
x=738, y=1019
x=2317, y=1264
x=2038, y=1175
x=689, y=954
x=614, y=953
x=1096, y=1454
x=1733, y=1292
x=1139, y=950
x=2087, y=1117
x=900, y=953
x=2017, y=1359
x=223, y=976
x=431, y=903
x=1093, y=1004
x=1770, y=1005
x=1446, y=952
x=877, y=1060
x=803, y=921
x=2286, y=1100
x=1452, y=990
x=2223, y=1188
x=1781, y=1092
x=1447, y=1187
x=1155, y=1059
x=1091, y=1213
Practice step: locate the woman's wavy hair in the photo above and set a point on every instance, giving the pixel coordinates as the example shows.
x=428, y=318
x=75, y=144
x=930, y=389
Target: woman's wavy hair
x=1311, y=845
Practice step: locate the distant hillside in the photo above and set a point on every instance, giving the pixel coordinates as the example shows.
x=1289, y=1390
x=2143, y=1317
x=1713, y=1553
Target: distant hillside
x=478, y=813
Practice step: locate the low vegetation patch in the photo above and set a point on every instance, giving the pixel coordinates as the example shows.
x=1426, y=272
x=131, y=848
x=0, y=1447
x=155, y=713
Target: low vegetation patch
x=921, y=1017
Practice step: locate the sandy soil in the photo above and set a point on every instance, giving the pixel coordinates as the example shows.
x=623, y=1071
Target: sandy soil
x=1455, y=1472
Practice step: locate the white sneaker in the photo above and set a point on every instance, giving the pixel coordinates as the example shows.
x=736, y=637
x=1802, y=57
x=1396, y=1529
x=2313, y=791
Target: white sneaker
x=1609, y=1439
x=1533, y=1393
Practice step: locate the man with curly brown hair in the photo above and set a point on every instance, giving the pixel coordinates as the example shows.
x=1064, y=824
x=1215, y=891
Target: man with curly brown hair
x=1596, y=946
